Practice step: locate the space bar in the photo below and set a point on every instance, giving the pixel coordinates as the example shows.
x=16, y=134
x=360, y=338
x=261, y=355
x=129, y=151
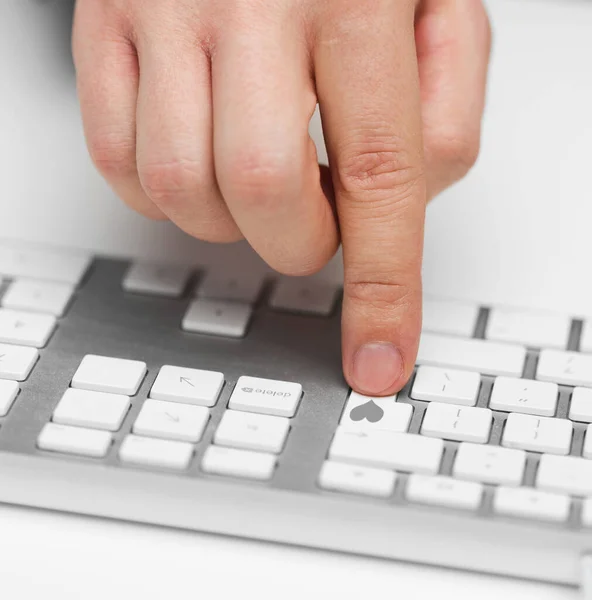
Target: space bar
x=488, y=358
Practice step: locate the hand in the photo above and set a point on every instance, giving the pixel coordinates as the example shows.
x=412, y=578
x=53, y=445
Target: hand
x=198, y=111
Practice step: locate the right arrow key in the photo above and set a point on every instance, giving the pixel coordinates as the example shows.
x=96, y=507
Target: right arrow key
x=190, y=386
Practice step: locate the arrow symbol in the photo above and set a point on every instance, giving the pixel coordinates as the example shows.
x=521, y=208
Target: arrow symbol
x=187, y=381
x=2, y=356
x=172, y=417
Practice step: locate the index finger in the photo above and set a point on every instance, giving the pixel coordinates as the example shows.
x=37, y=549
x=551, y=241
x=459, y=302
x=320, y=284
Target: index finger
x=368, y=89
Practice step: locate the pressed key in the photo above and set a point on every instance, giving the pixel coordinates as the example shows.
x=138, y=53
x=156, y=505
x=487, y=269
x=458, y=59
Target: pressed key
x=38, y=296
x=489, y=464
x=387, y=450
x=489, y=358
x=17, y=362
x=171, y=420
x=444, y=491
x=365, y=412
x=537, y=434
x=150, y=452
x=352, y=479
x=74, y=440
x=449, y=317
x=189, y=386
x=524, y=396
x=97, y=410
x=267, y=396
x=156, y=279
x=25, y=329
x=241, y=286
x=565, y=368
x=459, y=423
x=580, y=406
x=8, y=392
x=238, y=463
x=296, y=294
x=565, y=474
x=107, y=374
x=217, y=317
x=528, y=503
x=446, y=385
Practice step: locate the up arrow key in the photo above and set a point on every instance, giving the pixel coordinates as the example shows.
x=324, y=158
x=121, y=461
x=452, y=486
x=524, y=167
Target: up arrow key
x=186, y=380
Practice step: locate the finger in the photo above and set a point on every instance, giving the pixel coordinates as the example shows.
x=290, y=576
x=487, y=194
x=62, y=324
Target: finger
x=453, y=46
x=174, y=138
x=266, y=162
x=368, y=89
x=107, y=75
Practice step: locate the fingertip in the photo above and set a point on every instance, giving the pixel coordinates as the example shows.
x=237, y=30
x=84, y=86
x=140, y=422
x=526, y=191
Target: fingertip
x=377, y=369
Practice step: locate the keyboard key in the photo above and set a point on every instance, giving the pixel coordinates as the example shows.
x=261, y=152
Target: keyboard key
x=511, y=394
x=449, y=317
x=267, y=396
x=74, y=440
x=387, y=450
x=17, y=362
x=217, y=317
x=188, y=386
x=304, y=296
x=352, y=479
x=565, y=474
x=587, y=450
x=446, y=385
x=444, y=491
x=250, y=431
x=25, y=329
x=238, y=463
x=538, y=434
x=97, y=410
x=365, y=412
x=106, y=374
x=489, y=358
x=580, y=407
x=156, y=279
x=489, y=464
x=531, y=328
x=38, y=296
x=43, y=263
x=527, y=503
x=242, y=286
x=8, y=392
x=171, y=420
x=459, y=423
x=151, y=452
x=565, y=368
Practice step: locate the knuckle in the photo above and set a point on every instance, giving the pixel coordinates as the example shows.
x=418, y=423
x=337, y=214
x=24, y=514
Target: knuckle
x=381, y=295
x=456, y=148
x=169, y=182
x=113, y=155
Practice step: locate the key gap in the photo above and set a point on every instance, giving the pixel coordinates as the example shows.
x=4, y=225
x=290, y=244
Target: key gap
x=485, y=391
x=530, y=469
x=530, y=364
x=563, y=402
x=398, y=495
x=575, y=335
x=574, y=519
x=497, y=429
x=486, y=507
x=481, y=324
x=447, y=464
x=577, y=441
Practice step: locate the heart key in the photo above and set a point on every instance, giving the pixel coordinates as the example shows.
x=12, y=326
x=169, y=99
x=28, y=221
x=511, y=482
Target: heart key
x=369, y=411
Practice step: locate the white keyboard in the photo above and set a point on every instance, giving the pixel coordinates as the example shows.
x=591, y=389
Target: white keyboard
x=214, y=400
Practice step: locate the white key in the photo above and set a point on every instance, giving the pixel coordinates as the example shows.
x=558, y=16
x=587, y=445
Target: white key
x=444, y=491
x=217, y=317
x=267, y=396
x=151, y=452
x=449, y=317
x=188, y=386
x=352, y=479
x=587, y=450
x=446, y=385
x=25, y=329
x=489, y=464
x=250, y=431
x=387, y=450
x=565, y=474
x=156, y=279
x=106, y=374
x=171, y=420
x=238, y=463
x=489, y=358
x=532, y=328
x=565, y=368
x=580, y=407
x=244, y=286
x=537, y=434
x=38, y=296
x=17, y=362
x=8, y=392
x=74, y=440
x=511, y=394
x=97, y=410
x=43, y=263
x=528, y=503
x=365, y=412
x=459, y=423
x=304, y=296
x=586, y=337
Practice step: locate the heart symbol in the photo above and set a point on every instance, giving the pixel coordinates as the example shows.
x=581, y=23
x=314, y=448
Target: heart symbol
x=369, y=411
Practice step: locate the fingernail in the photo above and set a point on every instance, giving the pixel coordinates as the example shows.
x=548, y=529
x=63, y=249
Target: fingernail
x=376, y=368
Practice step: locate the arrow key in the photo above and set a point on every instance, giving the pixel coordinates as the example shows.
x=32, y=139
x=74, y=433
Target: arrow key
x=188, y=386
